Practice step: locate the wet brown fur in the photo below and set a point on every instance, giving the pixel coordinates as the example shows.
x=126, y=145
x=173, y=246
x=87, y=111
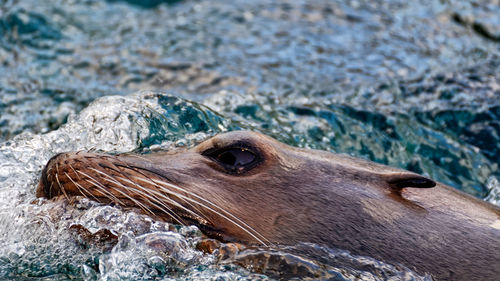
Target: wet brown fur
x=298, y=195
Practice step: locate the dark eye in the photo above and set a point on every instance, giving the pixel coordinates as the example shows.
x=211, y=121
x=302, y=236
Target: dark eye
x=235, y=159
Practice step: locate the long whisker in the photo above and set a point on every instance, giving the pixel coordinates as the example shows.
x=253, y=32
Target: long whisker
x=101, y=188
x=61, y=187
x=80, y=187
x=125, y=165
x=169, y=212
x=112, y=197
x=225, y=214
x=163, y=198
x=59, y=183
x=76, y=185
x=166, y=184
x=51, y=182
x=50, y=187
x=162, y=206
x=170, y=200
x=199, y=214
x=77, y=175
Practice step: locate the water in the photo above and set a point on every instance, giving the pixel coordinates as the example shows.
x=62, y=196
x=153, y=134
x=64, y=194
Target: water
x=411, y=85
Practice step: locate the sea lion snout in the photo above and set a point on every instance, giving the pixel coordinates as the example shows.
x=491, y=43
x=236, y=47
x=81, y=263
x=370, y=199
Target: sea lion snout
x=43, y=189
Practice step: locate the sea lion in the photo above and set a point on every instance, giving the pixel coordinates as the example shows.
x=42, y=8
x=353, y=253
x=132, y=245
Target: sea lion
x=249, y=188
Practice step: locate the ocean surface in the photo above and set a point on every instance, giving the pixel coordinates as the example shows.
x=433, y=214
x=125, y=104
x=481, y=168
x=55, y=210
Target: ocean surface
x=410, y=84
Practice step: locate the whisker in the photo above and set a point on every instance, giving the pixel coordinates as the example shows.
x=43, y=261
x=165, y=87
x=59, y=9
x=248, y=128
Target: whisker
x=170, y=200
x=117, y=169
x=138, y=203
x=80, y=187
x=171, y=213
x=162, y=206
x=61, y=187
x=50, y=187
x=76, y=185
x=77, y=175
x=101, y=188
x=58, y=182
x=161, y=199
x=215, y=206
x=230, y=217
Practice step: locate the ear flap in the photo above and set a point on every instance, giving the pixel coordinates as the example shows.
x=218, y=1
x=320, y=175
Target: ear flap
x=408, y=179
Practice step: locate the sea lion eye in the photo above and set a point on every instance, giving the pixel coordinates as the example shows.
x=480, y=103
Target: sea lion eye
x=235, y=159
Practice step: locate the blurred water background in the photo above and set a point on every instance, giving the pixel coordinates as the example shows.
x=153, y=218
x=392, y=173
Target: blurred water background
x=411, y=84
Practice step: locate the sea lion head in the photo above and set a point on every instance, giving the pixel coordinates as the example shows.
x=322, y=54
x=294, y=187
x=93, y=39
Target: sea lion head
x=238, y=186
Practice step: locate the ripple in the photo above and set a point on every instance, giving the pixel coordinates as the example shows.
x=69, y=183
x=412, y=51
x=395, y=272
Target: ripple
x=409, y=84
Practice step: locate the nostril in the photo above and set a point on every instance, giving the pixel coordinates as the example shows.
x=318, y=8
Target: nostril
x=44, y=186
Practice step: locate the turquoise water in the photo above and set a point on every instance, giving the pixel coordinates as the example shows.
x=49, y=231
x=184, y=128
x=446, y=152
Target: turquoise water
x=413, y=85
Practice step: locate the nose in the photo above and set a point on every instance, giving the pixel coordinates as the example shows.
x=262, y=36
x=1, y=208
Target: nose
x=44, y=186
